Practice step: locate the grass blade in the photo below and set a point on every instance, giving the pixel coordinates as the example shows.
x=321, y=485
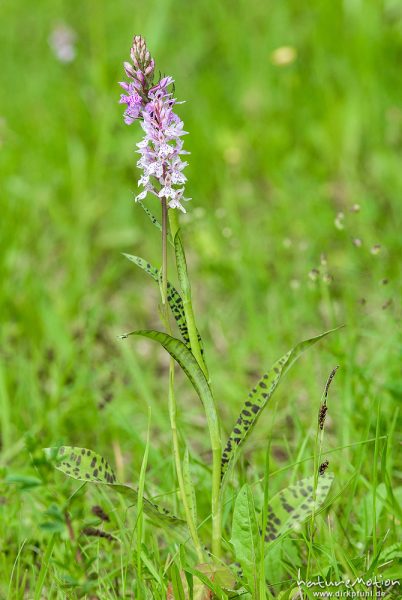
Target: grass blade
x=289, y=508
x=44, y=568
x=189, y=486
x=140, y=501
x=177, y=583
x=257, y=400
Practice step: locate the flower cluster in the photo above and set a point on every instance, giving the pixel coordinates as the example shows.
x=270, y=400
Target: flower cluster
x=162, y=146
x=141, y=73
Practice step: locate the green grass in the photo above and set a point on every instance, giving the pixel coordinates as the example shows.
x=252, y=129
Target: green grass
x=276, y=153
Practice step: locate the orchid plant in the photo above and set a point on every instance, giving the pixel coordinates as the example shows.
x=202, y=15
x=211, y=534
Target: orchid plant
x=161, y=161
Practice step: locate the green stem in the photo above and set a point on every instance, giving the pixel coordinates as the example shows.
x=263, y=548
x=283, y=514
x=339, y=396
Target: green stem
x=179, y=471
x=172, y=399
x=216, y=502
x=212, y=415
x=318, y=444
x=375, y=478
x=164, y=258
x=140, y=514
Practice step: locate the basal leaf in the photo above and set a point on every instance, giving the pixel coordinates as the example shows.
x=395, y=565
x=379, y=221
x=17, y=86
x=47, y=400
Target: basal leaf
x=190, y=366
x=174, y=299
x=246, y=537
x=288, y=509
x=258, y=399
x=85, y=465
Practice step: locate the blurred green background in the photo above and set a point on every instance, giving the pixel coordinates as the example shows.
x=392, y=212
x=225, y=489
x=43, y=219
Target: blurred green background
x=295, y=119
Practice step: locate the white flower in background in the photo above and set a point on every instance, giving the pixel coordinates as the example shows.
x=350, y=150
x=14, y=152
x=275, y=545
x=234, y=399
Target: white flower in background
x=62, y=41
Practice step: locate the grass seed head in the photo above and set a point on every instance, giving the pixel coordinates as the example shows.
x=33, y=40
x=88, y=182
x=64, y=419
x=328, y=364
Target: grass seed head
x=323, y=467
x=100, y=513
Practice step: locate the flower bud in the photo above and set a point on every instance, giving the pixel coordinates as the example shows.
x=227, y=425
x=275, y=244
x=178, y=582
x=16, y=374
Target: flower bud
x=130, y=72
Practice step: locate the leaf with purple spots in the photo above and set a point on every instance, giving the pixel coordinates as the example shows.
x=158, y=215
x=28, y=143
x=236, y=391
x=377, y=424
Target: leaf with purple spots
x=184, y=357
x=174, y=299
x=291, y=507
x=85, y=465
x=257, y=400
x=153, y=219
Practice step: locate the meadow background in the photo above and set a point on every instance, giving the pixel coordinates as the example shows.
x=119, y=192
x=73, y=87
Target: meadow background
x=282, y=142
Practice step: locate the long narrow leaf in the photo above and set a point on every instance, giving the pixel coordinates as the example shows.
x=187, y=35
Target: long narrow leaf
x=190, y=366
x=85, y=465
x=257, y=400
x=189, y=486
x=185, y=288
x=177, y=584
x=291, y=507
x=174, y=299
x=246, y=537
x=153, y=219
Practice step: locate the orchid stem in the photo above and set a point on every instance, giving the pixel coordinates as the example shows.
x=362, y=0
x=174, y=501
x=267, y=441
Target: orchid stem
x=172, y=399
x=212, y=415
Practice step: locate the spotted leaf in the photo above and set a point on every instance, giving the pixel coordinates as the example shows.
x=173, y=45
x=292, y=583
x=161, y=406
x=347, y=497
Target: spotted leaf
x=246, y=537
x=257, y=400
x=153, y=219
x=174, y=299
x=288, y=509
x=85, y=465
x=192, y=369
